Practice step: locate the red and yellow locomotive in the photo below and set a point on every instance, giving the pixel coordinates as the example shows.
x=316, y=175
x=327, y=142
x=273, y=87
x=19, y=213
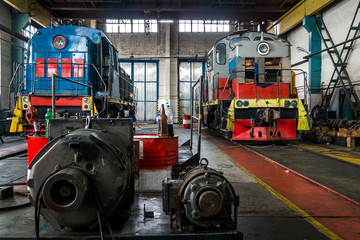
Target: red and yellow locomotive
x=249, y=90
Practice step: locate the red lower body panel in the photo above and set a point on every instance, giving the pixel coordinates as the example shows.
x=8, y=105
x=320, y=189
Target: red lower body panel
x=60, y=101
x=285, y=130
x=247, y=90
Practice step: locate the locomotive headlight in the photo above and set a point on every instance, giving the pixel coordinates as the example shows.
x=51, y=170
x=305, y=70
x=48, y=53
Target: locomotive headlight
x=59, y=42
x=263, y=48
x=239, y=103
x=287, y=103
x=86, y=100
x=294, y=103
x=25, y=99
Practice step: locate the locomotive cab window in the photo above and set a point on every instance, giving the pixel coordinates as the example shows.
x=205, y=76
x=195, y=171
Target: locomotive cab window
x=265, y=38
x=115, y=59
x=221, y=54
x=209, y=61
x=235, y=41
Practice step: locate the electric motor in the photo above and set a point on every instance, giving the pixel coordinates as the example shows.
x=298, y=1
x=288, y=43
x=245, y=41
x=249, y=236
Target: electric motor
x=82, y=175
x=201, y=197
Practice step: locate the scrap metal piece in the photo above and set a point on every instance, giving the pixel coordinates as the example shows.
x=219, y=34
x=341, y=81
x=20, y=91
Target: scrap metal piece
x=6, y=192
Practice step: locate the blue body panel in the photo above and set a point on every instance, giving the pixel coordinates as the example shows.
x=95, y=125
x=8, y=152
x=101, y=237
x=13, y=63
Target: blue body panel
x=81, y=43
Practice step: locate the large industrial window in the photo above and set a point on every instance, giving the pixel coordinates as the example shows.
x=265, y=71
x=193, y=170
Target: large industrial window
x=28, y=31
x=189, y=72
x=130, y=26
x=204, y=26
x=144, y=75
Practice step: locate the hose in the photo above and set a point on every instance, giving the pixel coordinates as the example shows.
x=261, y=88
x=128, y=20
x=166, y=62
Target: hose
x=275, y=123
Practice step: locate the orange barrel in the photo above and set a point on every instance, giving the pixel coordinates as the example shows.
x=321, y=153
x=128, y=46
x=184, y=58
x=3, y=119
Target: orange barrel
x=136, y=157
x=158, y=153
x=35, y=144
x=186, y=121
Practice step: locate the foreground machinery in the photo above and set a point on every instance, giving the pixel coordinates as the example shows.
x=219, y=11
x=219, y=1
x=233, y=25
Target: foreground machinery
x=200, y=197
x=85, y=174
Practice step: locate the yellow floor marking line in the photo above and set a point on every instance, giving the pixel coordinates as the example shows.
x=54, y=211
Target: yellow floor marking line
x=321, y=228
x=341, y=155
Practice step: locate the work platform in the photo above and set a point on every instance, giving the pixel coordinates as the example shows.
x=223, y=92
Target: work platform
x=287, y=191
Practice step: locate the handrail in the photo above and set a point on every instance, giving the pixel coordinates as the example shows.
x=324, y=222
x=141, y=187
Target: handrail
x=69, y=80
x=200, y=80
x=306, y=86
x=92, y=65
x=11, y=81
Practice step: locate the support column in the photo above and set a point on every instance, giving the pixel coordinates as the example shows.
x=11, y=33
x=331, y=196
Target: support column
x=314, y=75
x=5, y=55
x=164, y=78
x=19, y=21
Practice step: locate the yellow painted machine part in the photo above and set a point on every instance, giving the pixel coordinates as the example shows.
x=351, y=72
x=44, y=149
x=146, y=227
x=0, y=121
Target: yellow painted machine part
x=302, y=125
x=92, y=112
x=292, y=84
x=265, y=103
x=295, y=15
x=16, y=122
x=231, y=116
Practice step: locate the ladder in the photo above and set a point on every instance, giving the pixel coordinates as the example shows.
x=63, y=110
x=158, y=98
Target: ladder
x=339, y=61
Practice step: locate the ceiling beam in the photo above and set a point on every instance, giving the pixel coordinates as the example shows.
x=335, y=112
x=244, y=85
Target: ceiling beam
x=194, y=15
x=183, y=8
x=296, y=14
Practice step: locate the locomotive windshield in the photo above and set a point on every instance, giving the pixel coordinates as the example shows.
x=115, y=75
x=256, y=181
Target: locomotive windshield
x=235, y=41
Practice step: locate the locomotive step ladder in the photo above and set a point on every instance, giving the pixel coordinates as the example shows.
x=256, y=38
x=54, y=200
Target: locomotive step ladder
x=339, y=61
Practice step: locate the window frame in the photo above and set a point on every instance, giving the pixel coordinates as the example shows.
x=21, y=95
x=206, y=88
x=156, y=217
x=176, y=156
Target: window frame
x=203, y=26
x=130, y=25
x=220, y=59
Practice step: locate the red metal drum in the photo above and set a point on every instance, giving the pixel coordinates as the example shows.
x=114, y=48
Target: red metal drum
x=186, y=121
x=35, y=144
x=158, y=153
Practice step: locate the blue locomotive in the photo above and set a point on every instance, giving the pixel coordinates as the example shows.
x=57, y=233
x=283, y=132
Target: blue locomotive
x=83, y=63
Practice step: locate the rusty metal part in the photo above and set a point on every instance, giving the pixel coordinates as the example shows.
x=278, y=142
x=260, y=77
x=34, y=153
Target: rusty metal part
x=31, y=113
x=270, y=115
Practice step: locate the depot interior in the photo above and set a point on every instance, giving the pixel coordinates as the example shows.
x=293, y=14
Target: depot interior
x=298, y=189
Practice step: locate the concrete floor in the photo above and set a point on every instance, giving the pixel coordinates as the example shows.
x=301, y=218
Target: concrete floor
x=265, y=211
x=261, y=214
